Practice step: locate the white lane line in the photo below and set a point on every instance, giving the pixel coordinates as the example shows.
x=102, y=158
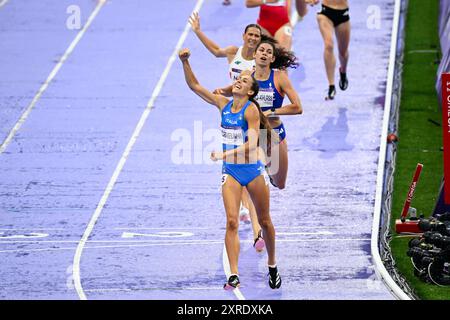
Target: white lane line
x=216, y=228
x=175, y=244
x=327, y=233
x=30, y=229
x=123, y=159
x=112, y=247
x=166, y=228
x=179, y=234
x=22, y=236
x=149, y=289
x=3, y=2
x=50, y=78
x=35, y=250
x=227, y=270
x=380, y=268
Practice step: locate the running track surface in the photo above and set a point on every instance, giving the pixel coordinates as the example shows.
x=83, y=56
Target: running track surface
x=56, y=168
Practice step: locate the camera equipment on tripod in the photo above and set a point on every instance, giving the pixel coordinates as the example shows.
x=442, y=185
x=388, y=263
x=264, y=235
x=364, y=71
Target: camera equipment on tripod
x=434, y=224
x=437, y=239
x=430, y=256
x=439, y=269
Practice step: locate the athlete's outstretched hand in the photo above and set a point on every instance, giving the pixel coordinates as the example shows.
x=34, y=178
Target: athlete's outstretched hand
x=216, y=155
x=194, y=20
x=184, y=54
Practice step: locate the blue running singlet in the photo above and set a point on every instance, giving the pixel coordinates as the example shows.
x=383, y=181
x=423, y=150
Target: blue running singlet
x=268, y=96
x=270, y=99
x=234, y=134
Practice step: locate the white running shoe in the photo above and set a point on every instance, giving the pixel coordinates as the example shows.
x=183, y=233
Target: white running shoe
x=244, y=215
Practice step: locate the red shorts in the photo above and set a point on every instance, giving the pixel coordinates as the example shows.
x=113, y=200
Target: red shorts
x=272, y=18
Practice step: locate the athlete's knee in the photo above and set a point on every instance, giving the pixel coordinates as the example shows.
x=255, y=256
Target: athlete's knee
x=329, y=45
x=232, y=225
x=265, y=221
x=281, y=185
x=343, y=52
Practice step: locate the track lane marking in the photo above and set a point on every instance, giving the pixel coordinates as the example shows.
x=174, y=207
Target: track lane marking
x=50, y=78
x=124, y=157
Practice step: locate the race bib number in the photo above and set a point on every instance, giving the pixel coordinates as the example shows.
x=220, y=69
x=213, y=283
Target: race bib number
x=235, y=74
x=265, y=97
x=224, y=178
x=232, y=136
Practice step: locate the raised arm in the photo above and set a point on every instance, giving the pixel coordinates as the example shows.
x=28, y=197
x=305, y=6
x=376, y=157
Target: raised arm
x=214, y=99
x=295, y=107
x=257, y=3
x=214, y=48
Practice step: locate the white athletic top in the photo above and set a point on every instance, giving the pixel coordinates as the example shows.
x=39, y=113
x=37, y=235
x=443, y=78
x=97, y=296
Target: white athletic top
x=239, y=64
x=280, y=3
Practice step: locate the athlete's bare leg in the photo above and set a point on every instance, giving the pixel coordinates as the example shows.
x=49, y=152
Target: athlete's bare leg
x=259, y=193
x=302, y=8
x=231, y=193
x=247, y=202
x=327, y=29
x=278, y=167
x=343, y=41
x=284, y=36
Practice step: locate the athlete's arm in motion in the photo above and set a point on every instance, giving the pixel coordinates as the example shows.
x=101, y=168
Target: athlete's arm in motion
x=288, y=6
x=295, y=107
x=214, y=99
x=257, y=3
x=228, y=52
x=252, y=117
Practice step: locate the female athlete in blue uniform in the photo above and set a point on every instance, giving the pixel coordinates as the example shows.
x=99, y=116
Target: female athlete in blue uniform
x=239, y=59
x=242, y=120
x=274, y=84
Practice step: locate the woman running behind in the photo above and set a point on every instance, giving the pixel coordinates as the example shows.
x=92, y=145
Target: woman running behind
x=241, y=122
x=334, y=18
x=274, y=85
x=239, y=58
x=274, y=19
